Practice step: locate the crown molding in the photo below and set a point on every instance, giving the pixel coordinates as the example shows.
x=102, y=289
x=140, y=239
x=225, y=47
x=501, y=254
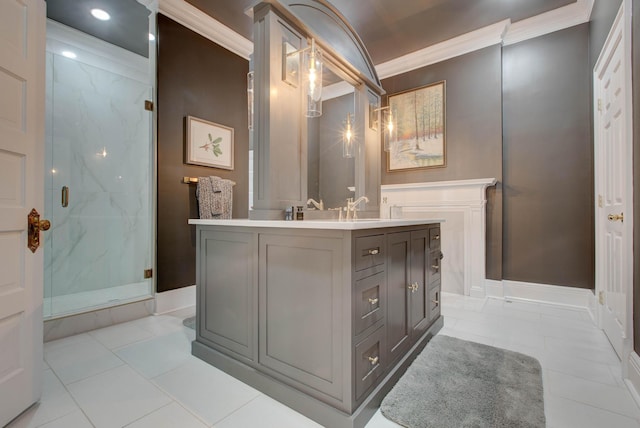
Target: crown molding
x=549, y=22
x=203, y=24
x=469, y=42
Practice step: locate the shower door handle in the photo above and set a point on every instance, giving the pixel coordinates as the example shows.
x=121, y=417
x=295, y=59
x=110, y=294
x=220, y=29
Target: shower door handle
x=65, y=196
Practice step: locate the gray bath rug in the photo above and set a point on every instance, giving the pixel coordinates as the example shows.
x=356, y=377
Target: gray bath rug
x=454, y=383
x=190, y=322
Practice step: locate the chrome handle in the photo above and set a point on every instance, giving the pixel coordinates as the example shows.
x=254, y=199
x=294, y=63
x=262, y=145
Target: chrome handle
x=373, y=301
x=373, y=360
x=65, y=196
x=373, y=251
x=616, y=217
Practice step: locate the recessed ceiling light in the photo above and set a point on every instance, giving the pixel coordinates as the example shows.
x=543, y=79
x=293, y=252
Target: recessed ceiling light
x=100, y=14
x=69, y=54
x=151, y=37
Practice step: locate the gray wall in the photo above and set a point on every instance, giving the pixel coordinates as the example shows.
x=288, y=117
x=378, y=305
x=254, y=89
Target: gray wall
x=548, y=162
x=473, y=132
x=199, y=78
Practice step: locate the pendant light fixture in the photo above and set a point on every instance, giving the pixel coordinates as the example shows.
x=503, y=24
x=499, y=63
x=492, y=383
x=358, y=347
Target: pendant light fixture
x=348, y=138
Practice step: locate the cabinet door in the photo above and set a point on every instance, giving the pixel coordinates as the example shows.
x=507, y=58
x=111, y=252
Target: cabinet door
x=398, y=259
x=418, y=298
x=301, y=307
x=227, y=291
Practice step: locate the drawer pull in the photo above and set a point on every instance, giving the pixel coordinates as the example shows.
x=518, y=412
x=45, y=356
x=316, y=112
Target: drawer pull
x=435, y=302
x=435, y=267
x=373, y=251
x=373, y=360
x=413, y=287
x=373, y=301
x=437, y=237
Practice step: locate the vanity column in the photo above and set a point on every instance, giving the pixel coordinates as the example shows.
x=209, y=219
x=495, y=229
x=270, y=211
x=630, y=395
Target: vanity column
x=279, y=136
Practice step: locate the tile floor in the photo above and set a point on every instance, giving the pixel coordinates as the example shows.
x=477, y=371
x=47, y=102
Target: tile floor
x=141, y=374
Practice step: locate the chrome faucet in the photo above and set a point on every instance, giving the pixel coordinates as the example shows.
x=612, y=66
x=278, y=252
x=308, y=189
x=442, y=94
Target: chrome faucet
x=352, y=214
x=318, y=205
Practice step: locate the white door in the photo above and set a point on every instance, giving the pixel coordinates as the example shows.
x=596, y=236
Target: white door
x=613, y=155
x=22, y=43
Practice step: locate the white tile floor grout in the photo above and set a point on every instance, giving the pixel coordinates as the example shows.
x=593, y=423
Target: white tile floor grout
x=140, y=374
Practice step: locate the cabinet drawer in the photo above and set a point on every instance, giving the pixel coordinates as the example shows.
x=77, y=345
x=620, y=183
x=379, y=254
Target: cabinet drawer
x=369, y=302
x=434, y=266
x=434, y=238
x=434, y=302
x=369, y=252
x=370, y=362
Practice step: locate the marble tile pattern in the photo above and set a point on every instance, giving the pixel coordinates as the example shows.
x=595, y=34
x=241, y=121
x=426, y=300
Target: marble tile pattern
x=141, y=373
x=98, y=143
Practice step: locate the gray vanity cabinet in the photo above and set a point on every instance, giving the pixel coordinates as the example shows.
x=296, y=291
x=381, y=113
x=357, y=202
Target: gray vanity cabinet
x=322, y=320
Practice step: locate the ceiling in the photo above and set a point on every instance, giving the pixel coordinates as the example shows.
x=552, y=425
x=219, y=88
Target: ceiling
x=388, y=28
x=391, y=28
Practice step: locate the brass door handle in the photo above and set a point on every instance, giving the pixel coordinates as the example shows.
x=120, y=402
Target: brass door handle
x=616, y=217
x=34, y=226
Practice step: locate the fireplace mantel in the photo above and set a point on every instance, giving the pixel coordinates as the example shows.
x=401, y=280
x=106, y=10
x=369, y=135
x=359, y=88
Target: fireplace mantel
x=449, y=198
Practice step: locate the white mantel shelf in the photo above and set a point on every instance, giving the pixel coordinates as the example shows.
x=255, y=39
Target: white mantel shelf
x=451, y=200
x=315, y=224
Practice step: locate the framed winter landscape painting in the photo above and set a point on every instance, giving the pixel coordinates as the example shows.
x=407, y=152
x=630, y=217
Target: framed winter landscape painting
x=420, y=123
x=209, y=144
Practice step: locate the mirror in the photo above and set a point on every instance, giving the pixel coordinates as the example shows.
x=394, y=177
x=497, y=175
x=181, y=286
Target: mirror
x=330, y=175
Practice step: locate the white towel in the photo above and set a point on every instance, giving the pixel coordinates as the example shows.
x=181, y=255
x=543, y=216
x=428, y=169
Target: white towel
x=215, y=197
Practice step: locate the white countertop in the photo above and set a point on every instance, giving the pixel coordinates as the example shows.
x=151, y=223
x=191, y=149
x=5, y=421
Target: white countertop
x=317, y=224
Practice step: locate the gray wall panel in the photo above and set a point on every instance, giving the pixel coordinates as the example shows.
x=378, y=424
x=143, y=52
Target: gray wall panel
x=199, y=78
x=548, y=223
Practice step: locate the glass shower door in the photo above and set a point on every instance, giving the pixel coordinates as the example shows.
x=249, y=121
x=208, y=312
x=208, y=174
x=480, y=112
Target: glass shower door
x=98, y=190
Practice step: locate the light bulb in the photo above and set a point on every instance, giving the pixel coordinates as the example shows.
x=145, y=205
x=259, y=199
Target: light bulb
x=100, y=14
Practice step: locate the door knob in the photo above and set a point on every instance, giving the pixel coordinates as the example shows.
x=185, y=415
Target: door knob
x=616, y=217
x=34, y=226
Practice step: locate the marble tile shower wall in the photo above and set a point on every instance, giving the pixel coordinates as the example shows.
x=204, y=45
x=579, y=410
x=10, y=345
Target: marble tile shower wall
x=98, y=144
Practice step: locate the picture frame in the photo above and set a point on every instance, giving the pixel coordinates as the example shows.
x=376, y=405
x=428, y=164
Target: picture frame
x=420, y=116
x=209, y=144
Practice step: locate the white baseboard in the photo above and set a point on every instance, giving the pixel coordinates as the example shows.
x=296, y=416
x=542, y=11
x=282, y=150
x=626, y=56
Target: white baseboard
x=543, y=293
x=633, y=379
x=173, y=300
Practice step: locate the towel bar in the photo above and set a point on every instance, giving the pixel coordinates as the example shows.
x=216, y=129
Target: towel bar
x=189, y=180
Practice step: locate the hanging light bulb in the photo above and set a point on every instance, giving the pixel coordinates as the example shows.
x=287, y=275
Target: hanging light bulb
x=313, y=65
x=348, y=138
x=390, y=131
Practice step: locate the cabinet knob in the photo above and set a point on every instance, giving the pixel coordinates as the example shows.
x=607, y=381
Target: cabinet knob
x=435, y=302
x=435, y=267
x=413, y=287
x=373, y=301
x=374, y=360
x=373, y=251
x=437, y=237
